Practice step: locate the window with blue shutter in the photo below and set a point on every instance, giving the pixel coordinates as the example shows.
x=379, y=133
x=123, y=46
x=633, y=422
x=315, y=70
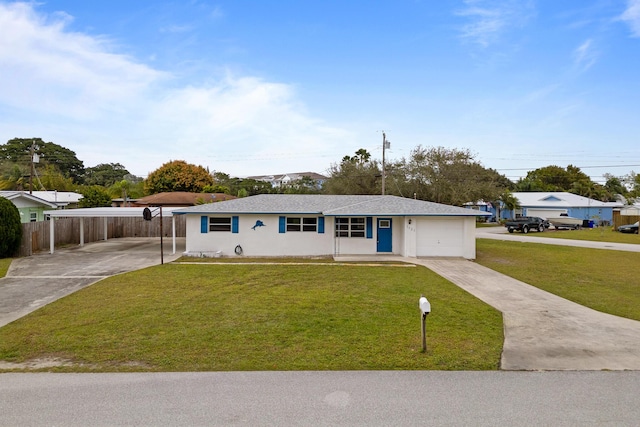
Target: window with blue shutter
x=321, y=225
x=282, y=224
x=204, y=224
x=234, y=224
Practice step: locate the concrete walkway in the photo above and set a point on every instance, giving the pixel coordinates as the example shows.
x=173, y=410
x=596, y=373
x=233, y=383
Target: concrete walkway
x=542, y=331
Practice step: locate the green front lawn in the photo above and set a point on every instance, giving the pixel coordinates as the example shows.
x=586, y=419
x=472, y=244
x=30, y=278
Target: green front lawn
x=605, y=280
x=4, y=266
x=598, y=234
x=221, y=317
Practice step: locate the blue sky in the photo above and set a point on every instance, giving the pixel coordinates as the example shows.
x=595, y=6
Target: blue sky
x=264, y=87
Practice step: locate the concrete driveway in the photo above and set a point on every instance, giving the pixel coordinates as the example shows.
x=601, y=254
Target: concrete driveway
x=35, y=281
x=543, y=331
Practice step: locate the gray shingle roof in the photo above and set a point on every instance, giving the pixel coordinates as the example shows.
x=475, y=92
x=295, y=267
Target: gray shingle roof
x=329, y=205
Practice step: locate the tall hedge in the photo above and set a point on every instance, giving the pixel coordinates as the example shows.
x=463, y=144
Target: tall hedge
x=10, y=228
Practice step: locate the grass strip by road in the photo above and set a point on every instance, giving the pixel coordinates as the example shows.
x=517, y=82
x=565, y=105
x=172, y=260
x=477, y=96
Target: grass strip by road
x=4, y=266
x=604, y=280
x=598, y=234
x=226, y=317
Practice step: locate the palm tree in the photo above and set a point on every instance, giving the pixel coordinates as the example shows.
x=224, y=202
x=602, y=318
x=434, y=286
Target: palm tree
x=510, y=202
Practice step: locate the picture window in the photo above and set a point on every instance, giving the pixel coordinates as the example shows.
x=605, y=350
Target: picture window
x=350, y=227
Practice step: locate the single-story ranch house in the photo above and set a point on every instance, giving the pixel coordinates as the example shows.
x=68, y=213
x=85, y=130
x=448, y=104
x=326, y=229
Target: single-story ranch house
x=328, y=225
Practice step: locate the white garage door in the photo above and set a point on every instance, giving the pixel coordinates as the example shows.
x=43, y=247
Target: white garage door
x=440, y=237
x=545, y=213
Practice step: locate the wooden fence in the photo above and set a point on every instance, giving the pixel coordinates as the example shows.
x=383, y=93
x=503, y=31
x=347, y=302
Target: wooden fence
x=36, y=235
x=619, y=220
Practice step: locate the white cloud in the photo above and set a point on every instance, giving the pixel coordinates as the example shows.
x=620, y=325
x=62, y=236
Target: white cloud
x=49, y=69
x=631, y=16
x=488, y=20
x=585, y=55
x=78, y=91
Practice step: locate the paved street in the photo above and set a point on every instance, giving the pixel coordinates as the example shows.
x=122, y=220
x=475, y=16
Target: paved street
x=362, y=398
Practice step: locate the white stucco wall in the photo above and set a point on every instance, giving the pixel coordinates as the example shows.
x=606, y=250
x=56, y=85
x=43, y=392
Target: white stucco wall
x=425, y=236
x=261, y=241
x=410, y=236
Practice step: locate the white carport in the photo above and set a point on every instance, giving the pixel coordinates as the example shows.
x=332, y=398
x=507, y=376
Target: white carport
x=104, y=213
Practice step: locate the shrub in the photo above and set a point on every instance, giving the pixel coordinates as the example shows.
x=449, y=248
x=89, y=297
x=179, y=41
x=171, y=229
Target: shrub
x=10, y=228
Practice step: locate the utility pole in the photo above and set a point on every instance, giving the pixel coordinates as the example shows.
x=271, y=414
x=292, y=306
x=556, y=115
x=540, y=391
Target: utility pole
x=385, y=144
x=33, y=148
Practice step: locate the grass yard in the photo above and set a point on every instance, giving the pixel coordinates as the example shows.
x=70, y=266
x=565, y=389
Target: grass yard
x=604, y=280
x=4, y=266
x=598, y=234
x=222, y=317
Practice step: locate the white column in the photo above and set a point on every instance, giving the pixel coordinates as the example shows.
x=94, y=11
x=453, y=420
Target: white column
x=105, y=228
x=81, y=231
x=52, y=234
x=173, y=232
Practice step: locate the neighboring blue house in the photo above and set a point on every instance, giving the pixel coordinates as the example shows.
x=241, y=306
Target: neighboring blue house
x=553, y=204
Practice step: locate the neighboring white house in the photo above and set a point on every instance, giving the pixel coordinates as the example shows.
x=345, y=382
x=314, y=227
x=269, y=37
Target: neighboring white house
x=325, y=225
x=62, y=199
x=288, y=178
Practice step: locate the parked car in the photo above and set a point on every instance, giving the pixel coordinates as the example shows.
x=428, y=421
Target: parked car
x=629, y=228
x=526, y=223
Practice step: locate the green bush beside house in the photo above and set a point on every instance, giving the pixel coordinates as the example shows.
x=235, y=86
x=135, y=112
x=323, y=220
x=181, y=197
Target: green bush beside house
x=10, y=228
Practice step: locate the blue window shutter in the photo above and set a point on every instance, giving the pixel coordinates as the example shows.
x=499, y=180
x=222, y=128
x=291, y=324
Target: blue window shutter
x=321, y=225
x=369, y=227
x=234, y=224
x=204, y=224
x=283, y=224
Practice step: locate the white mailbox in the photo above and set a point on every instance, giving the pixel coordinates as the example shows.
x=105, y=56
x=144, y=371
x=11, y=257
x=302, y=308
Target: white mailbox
x=425, y=306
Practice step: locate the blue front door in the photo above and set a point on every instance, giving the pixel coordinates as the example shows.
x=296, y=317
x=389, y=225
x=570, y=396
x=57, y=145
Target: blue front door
x=384, y=235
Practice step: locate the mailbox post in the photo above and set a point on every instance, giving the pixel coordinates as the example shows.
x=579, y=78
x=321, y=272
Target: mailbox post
x=425, y=308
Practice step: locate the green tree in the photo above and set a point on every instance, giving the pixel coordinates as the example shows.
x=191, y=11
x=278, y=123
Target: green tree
x=52, y=179
x=216, y=189
x=632, y=182
x=237, y=186
x=614, y=187
x=127, y=189
x=449, y=176
x=178, y=175
x=18, y=150
x=12, y=176
x=556, y=178
x=94, y=197
x=510, y=202
x=354, y=175
x=10, y=228
x=105, y=174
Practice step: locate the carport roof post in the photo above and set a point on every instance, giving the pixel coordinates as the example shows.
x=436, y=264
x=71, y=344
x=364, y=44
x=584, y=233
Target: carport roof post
x=105, y=213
